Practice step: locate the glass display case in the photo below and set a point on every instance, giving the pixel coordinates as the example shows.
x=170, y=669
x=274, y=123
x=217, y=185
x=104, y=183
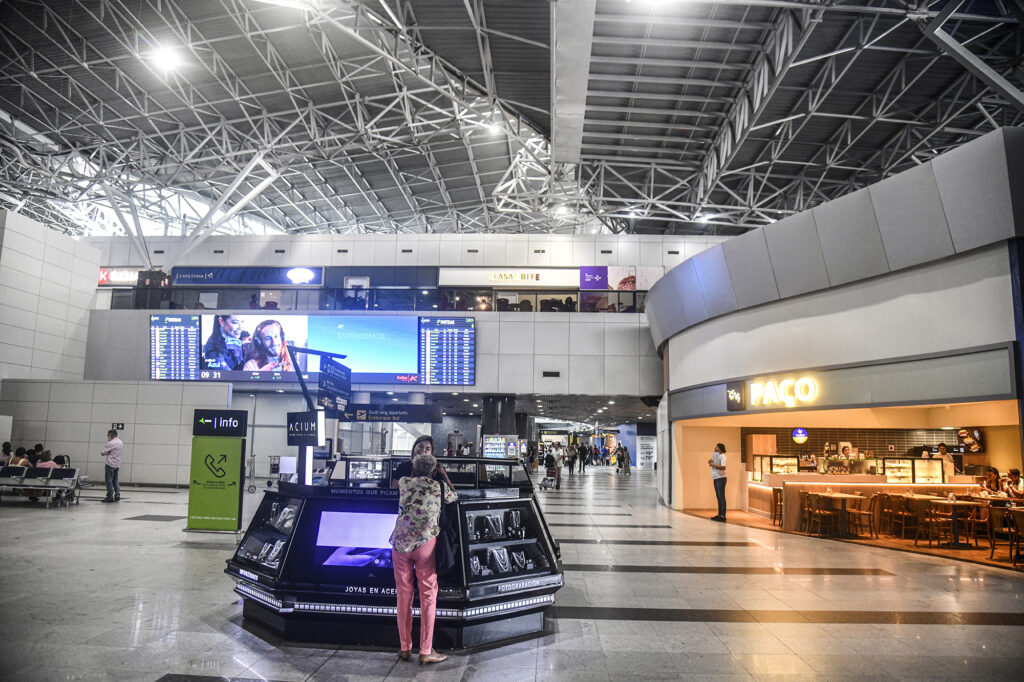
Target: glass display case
x=362, y=472
x=912, y=470
x=774, y=464
x=315, y=562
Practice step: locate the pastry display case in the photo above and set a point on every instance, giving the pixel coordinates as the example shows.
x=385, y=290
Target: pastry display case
x=774, y=464
x=912, y=470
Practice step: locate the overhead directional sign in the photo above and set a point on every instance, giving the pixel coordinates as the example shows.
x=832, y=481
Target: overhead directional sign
x=335, y=386
x=391, y=413
x=229, y=423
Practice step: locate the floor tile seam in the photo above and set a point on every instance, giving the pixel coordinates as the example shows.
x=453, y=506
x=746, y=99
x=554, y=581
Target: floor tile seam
x=729, y=570
x=811, y=616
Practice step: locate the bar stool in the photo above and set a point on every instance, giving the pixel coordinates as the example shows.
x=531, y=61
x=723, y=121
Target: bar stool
x=777, y=505
x=805, y=512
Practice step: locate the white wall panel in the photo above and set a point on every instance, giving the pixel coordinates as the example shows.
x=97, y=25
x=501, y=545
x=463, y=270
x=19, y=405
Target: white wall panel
x=586, y=374
x=515, y=374
x=901, y=314
x=551, y=363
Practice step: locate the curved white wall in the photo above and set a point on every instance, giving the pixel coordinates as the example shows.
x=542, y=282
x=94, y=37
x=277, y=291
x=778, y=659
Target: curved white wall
x=961, y=302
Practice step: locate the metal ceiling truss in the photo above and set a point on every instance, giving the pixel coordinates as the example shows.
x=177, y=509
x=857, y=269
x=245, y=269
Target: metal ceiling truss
x=151, y=150
x=708, y=189
x=376, y=133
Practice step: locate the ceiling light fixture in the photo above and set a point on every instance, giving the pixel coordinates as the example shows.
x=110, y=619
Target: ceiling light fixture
x=702, y=218
x=166, y=58
x=611, y=402
x=304, y=5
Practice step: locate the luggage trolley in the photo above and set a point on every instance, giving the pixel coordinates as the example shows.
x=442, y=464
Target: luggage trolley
x=250, y=465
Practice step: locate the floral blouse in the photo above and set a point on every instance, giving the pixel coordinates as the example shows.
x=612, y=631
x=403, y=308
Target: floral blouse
x=419, y=506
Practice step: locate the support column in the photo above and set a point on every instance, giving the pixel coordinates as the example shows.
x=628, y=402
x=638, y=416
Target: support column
x=1017, y=282
x=499, y=415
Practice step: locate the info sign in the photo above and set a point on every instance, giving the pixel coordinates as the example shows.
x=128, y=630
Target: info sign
x=335, y=384
x=215, y=483
x=228, y=423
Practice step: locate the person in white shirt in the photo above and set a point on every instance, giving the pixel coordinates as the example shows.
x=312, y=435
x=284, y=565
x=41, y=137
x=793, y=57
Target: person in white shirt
x=1014, y=484
x=717, y=464
x=559, y=463
x=111, y=452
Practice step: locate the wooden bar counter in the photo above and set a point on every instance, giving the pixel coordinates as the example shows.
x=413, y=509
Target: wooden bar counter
x=793, y=484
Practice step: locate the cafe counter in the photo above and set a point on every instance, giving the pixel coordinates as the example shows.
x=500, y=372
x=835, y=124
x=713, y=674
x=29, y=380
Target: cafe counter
x=792, y=486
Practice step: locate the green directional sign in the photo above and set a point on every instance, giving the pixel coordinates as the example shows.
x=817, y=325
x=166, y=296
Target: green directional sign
x=216, y=480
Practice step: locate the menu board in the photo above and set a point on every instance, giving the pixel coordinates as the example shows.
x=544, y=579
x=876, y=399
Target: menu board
x=172, y=339
x=448, y=350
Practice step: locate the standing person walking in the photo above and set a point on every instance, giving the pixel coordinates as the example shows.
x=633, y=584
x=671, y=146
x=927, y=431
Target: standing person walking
x=414, y=541
x=717, y=464
x=112, y=452
x=559, y=464
x=572, y=459
x=624, y=454
x=584, y=453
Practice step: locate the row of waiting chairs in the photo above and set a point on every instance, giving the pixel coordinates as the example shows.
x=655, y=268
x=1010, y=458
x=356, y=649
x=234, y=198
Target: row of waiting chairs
x=58, y=486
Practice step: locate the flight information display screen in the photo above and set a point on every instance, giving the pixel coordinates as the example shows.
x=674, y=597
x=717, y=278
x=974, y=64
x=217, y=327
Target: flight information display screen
x=255, y=347
x=448, y=350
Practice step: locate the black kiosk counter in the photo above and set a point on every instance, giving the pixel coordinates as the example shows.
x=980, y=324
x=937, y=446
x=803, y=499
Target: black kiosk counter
x=315, y=562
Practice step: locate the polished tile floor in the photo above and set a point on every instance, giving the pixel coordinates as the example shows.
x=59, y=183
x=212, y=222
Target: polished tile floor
x=119, y=592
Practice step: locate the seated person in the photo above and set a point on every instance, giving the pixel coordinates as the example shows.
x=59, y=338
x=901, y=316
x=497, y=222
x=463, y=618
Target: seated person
x=990, y=485
x=46, y=461
x=19, y=458
x=5, y=454
x=1014, y=484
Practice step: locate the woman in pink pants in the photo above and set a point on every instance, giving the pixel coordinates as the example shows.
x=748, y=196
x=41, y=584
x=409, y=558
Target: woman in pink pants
x=413, y=543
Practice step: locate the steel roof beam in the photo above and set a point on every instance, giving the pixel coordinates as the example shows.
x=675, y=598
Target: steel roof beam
x=784, y=43
x=572, y=33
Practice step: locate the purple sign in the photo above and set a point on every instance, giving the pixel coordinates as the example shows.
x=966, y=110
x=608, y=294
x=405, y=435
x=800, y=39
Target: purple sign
x=594, y=277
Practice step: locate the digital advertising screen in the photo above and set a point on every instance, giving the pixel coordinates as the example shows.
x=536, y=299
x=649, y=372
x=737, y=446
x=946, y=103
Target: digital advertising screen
x=255, y=347
x=354, y=538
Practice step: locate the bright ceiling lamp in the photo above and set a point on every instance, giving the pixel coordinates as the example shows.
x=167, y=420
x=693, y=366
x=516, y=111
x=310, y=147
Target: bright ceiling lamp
x=166, y=58
x=293, y=4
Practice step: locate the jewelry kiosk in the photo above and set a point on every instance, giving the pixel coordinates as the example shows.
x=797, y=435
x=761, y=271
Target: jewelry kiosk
x=315, y=562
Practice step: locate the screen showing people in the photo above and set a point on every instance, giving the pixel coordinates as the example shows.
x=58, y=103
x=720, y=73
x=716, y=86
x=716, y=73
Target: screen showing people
x=251, y=343
x=256, y=347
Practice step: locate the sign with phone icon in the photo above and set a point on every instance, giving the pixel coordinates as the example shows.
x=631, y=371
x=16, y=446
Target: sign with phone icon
x=216, y=480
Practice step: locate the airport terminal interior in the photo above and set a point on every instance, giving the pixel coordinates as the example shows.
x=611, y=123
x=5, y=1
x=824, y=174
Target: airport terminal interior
x=493, y=340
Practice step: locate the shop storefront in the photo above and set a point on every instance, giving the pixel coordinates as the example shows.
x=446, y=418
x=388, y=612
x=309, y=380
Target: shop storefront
x=864, y=429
